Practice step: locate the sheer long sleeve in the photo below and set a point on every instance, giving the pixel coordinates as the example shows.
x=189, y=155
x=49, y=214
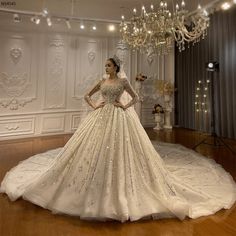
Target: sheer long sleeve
x=87, y=96
x=131, y=92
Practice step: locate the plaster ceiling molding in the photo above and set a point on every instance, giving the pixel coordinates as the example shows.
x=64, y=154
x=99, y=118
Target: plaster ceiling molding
x=91, y=55
x=15, y=54
x=15, y=103
x=14, y=85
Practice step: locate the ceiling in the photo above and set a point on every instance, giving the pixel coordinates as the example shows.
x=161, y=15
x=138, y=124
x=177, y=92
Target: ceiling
x=96, y=9
x=99, y=12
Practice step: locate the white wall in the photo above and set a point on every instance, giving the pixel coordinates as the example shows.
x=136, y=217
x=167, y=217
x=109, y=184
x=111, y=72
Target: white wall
x=44, y=76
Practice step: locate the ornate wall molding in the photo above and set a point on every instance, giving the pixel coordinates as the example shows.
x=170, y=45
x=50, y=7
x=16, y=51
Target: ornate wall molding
x=18, y=78
x=15, y=103
x=53, y=123
x=122, y=51
x=91, y=56
x=14, y=85
x=88, y=72
x=17, y=126
x=15, y=54
x=55, y=89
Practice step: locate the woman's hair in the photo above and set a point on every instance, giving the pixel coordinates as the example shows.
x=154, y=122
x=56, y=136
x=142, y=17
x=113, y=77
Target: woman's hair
x=117, y=64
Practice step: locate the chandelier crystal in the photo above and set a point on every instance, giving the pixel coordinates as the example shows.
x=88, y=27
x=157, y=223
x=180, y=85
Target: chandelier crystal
x=157, y=30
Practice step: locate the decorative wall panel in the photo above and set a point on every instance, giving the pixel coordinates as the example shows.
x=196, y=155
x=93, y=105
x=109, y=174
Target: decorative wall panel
x=18, y=76
x=56, y=72
x=53, y=124
x=75, y=120
x=17, y=126
x=90, y=58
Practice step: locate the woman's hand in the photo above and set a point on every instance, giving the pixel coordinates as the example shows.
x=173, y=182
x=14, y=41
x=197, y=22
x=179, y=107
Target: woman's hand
x=118, y=104
x=100, y=105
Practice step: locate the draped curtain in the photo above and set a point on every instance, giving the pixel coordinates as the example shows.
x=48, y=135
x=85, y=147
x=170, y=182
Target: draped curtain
x=193, y=103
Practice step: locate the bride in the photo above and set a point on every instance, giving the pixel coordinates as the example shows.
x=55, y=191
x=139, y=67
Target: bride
x=109, y=169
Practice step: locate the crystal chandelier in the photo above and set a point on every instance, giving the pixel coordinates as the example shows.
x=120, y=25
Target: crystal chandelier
x=157, y=30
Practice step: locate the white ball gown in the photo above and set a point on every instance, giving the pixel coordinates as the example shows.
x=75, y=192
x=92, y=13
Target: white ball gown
x=109, y=169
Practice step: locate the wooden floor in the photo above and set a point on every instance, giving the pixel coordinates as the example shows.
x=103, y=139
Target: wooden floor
x=22, y=218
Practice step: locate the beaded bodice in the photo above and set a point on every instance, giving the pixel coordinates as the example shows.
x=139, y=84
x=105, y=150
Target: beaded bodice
x=112, y=91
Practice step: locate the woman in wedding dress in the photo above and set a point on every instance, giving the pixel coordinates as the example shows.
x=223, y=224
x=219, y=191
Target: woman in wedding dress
x=109, y=169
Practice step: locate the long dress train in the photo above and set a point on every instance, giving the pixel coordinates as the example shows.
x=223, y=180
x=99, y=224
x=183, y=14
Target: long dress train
x=109, y=169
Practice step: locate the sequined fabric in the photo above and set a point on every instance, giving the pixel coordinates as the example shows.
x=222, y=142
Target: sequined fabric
x=109, y=169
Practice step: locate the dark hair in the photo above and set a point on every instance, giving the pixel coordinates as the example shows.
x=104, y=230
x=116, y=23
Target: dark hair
x=115, y=64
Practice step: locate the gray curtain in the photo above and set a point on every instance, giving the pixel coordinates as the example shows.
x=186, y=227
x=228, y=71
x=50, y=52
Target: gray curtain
x=192, y=79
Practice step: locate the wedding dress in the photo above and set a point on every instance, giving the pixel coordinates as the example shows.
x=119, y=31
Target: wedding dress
x=109, y=169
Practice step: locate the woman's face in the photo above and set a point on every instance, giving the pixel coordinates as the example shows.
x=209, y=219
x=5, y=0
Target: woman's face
x=110, y=67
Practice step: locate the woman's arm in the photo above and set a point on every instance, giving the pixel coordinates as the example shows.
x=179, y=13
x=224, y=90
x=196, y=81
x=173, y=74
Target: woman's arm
x=87, y=96
x=131, y=92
